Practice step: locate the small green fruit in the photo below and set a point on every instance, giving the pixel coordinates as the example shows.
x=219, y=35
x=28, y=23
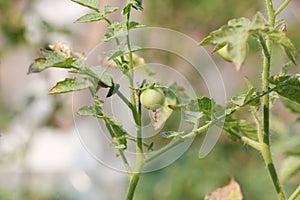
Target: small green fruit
x=224, y=53
x=152, y=99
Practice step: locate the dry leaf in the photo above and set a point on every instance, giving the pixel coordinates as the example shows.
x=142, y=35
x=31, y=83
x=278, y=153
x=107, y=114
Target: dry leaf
x=231, y=191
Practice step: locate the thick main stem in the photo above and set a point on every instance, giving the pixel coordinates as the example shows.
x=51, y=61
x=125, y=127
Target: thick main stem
x=265, y=143
x=266, y=149
x=137, y=114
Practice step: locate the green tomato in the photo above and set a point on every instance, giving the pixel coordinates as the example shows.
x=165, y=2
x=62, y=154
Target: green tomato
x=152, y=99
x=224, y=53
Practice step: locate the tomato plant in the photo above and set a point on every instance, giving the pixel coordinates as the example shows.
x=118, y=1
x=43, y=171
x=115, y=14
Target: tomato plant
x=162, y=99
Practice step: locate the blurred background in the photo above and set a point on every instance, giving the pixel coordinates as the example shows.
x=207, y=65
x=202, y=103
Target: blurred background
x=41, y=156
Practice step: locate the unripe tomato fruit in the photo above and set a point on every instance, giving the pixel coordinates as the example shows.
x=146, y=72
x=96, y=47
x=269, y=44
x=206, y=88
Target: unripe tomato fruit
x=224, y=53
x=152, y=99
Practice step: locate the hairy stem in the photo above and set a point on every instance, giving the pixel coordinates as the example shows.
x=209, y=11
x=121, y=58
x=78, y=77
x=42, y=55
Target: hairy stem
x=137, y=114
x=271, y=12
x=265, y=143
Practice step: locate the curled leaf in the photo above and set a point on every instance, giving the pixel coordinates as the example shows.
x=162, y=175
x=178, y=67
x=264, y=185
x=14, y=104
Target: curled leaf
x=70, y=85
x=231, y=191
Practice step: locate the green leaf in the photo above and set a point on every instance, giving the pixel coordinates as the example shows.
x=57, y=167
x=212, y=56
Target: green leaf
x=204, y=105
x=87, y=111
x=290, y=54
x=70, y=85
x=241, y=126
x=79, y=60
x=109, y=9
x=126, y=9
x=40, y=64
x=137, y=4
x=285, y=68
x=104, y=79
x=113, y=90
x=291, y=105
x=235, y=35
x=58, y=56
x=94, y=110
x=107, y=37
x=133, y=25
x=281, y=39
x=245, y=98
x=115, y=54
x=90, y=17
x=119, y=30
x=92, y=4
x=287, y=86
x=99, y=74
x=119, y=133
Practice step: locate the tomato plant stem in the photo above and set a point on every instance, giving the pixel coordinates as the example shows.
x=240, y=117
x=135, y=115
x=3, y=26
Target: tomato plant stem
x=137, y=114
x=132, y=186
x=271, y=13
x=265, y=138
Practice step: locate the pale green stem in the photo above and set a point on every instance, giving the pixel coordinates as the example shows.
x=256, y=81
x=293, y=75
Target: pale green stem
x=126, y=164
x=125, y=100
x=271, y=11
x=258, y=126
x=246, y=140
x=282, y=7
x=202, y=129
x=137, y=112
x=177, y=141
x=295, y=194
x=266, y=149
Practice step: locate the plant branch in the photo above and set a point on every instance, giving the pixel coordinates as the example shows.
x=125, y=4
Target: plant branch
x=282, y=7
x=125, y=100
x=177, y=141
x=137, y=114
x=202, y=129
x=244, y=139
x=258, y=123
x=265, y=143
x=271, y=11
x=295, y=194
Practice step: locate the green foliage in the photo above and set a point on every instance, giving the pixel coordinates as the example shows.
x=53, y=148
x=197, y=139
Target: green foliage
x=90, y=17
x=288, y=86
x=291, y=105
x=201, y=112
x=70, y=85
x=92, y=4
x=57, y=56
x=235, y=35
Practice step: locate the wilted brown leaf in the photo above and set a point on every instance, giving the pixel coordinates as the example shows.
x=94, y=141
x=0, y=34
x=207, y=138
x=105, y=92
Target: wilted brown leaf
x=231, y=191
